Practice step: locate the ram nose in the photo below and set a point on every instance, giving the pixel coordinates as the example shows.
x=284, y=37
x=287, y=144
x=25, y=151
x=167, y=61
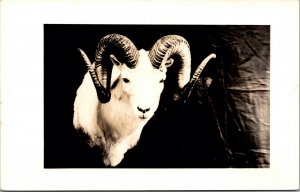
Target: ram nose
x=143, y=109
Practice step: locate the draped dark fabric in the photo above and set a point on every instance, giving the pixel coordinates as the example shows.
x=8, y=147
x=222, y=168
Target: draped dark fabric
x=244, y=53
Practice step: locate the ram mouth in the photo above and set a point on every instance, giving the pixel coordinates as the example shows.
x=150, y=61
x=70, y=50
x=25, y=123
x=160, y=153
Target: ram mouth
x=143, y=117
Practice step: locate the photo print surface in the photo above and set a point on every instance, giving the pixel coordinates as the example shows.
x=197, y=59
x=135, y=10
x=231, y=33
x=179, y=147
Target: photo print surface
x=156, y=96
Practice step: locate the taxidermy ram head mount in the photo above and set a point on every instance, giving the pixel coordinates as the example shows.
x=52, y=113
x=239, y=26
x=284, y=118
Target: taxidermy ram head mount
x=122, y=89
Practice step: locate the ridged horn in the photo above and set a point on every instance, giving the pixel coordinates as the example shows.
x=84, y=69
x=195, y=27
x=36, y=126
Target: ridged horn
x=113, y=44
x=200, y=68
x=188, y=89
x=167, y=47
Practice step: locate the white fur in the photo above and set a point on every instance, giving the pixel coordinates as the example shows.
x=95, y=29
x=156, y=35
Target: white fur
x=116, y=126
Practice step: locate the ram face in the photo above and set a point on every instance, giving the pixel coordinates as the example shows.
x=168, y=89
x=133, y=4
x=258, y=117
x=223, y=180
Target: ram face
x=138, y=88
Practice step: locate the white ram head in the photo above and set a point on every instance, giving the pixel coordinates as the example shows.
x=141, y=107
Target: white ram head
x=122, y=89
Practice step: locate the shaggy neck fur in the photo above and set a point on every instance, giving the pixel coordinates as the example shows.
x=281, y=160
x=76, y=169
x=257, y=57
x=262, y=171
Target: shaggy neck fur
x=119, y=135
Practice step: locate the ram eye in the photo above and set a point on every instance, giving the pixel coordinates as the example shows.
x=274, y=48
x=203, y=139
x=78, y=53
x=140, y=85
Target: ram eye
x=162, y=81
x=126, y=80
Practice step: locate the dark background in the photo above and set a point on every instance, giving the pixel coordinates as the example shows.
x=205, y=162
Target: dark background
x=195, y=135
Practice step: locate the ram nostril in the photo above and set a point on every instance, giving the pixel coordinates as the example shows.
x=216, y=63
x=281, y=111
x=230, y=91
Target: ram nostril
x=143, y=110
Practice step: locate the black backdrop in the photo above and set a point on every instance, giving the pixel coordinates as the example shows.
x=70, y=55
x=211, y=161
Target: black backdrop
x=189, y=137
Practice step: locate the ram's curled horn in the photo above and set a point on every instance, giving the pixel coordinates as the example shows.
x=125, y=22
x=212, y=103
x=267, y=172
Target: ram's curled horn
x=189, y=88
x=113, y=44
x=168, y=46
x=200, y=68
x=164, y=49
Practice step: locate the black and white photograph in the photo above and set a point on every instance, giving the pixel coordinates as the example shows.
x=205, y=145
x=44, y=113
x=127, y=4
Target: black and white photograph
x=157, y=96
x=149, y=95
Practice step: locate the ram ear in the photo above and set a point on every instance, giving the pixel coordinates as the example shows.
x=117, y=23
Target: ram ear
x=114, y=60
x=169, y=62
x=116, y=70
x=164, y=66
x=115, y=74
